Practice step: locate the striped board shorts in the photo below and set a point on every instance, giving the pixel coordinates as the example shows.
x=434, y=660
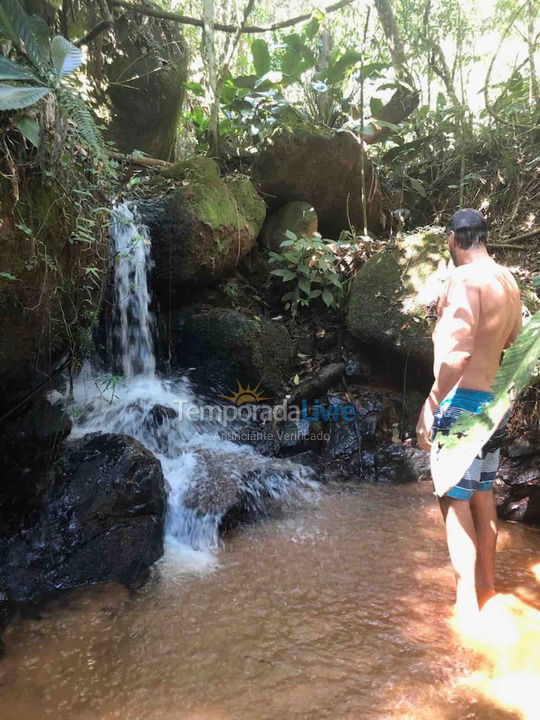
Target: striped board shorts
x=482, y=471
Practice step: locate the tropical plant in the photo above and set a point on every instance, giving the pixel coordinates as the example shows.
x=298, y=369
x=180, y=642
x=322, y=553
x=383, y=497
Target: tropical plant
x=46, y=64
x=311, y=267
x=452, y=453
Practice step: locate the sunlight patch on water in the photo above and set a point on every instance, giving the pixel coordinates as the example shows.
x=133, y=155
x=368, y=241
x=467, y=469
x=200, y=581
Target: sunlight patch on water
x=507, y=640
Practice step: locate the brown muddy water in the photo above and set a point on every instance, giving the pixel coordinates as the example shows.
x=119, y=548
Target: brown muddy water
x=338, y=610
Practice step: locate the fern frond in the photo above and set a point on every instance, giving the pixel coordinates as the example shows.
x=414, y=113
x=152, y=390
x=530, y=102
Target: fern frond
x=86, y=129
x=452, y=454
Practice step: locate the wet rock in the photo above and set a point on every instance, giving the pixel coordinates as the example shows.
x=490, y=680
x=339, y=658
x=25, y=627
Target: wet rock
x=322, y=168
x=225, y=347
x=297, y=217
x=100, y=517
x=402, y=464
x=346, y=436
x=201, y=230
x=241, y=487
x=391, y=293
x=517, y=489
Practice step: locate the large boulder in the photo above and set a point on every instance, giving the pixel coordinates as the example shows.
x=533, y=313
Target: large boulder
x=297, y=217
x=137, y=74
x=322, y=168
x=392, y=293
x=100, y=517
x=225, y=346
x=202, y=229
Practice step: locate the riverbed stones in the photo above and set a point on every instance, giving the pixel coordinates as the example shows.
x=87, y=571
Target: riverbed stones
x=201, y=229
x=99, y=517
x=323, y=168
x=393, y=296
x=225, y=347
x=517, y=487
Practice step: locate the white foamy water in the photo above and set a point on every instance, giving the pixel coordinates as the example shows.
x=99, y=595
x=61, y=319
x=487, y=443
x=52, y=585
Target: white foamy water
x=158, y=412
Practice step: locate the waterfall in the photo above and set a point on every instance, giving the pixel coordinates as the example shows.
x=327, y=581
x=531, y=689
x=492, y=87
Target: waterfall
x=157, y=411
x=132, y=263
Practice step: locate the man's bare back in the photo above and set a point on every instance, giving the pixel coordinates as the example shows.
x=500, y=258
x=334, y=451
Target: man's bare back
x=479, y=315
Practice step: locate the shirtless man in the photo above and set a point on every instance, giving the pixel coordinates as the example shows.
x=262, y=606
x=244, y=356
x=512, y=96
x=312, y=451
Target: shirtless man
x=479, y=314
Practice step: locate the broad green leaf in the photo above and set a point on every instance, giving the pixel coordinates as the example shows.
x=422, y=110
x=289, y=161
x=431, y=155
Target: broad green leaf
x=261, y=56
x=268, y=79
x=375, y=105
x=304, y=285
x=66, y=57
x=29, y=127
x=339, y=67
x=16, y=97
x=452, y=454
x=417, y=186
x=328, y=298
x=289, y=234
x=10, y=70
x=195, y=88
x=16, y=25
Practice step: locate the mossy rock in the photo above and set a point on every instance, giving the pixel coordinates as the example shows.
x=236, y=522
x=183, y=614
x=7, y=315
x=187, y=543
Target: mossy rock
x=392, y=291
x=225, y=347
x=202, y=229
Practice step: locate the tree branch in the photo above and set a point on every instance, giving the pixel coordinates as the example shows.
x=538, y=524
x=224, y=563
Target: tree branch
x=185, y=20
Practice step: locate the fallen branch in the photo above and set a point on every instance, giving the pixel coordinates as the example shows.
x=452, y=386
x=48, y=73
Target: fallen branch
x=185, y=20
x=524, y=236
x=143, y=160
x=318, y=383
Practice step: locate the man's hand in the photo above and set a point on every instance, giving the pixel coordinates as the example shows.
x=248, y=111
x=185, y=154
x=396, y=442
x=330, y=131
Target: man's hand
x=424, y=426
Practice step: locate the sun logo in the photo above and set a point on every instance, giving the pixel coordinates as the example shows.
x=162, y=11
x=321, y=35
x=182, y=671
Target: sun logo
x=245, y=394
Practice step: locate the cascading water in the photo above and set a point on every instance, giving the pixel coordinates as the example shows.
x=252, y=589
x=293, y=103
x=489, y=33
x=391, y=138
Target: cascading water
x=158, y=411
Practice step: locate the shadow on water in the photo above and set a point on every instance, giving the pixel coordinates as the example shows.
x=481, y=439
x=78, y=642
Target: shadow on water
x=339, y=610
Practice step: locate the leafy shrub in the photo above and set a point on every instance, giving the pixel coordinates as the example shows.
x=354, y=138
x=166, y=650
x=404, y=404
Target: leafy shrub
x=311, y=267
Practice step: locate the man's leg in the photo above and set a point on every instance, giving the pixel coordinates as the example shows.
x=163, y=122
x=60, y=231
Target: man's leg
x=485, y=523
x=462, y=543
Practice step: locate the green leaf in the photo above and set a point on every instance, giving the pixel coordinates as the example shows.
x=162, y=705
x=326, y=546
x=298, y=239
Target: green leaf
x=65, y=56
x=29, y=127
x=16, y=97
x=417, y=186
x=268, y=79
x=261, y=56
x=10, y=70
x=7, y=275
x=338, y=69
x=16, y=25
x=195, y=87
x=289, y=234
x=328, y=298
x=375, y=105
x=452, y=454
x=304, y=285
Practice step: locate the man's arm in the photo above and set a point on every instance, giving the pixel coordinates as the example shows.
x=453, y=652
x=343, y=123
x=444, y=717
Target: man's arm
x=453, y=346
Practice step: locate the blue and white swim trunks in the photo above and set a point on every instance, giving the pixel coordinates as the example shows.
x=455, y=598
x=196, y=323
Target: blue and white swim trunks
x=482, y=471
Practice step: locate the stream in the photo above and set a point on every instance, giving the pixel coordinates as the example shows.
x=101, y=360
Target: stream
x=340, y=609
x=336, y=606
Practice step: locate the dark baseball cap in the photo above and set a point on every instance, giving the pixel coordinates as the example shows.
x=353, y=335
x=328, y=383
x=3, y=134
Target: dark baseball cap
x=468, y=219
